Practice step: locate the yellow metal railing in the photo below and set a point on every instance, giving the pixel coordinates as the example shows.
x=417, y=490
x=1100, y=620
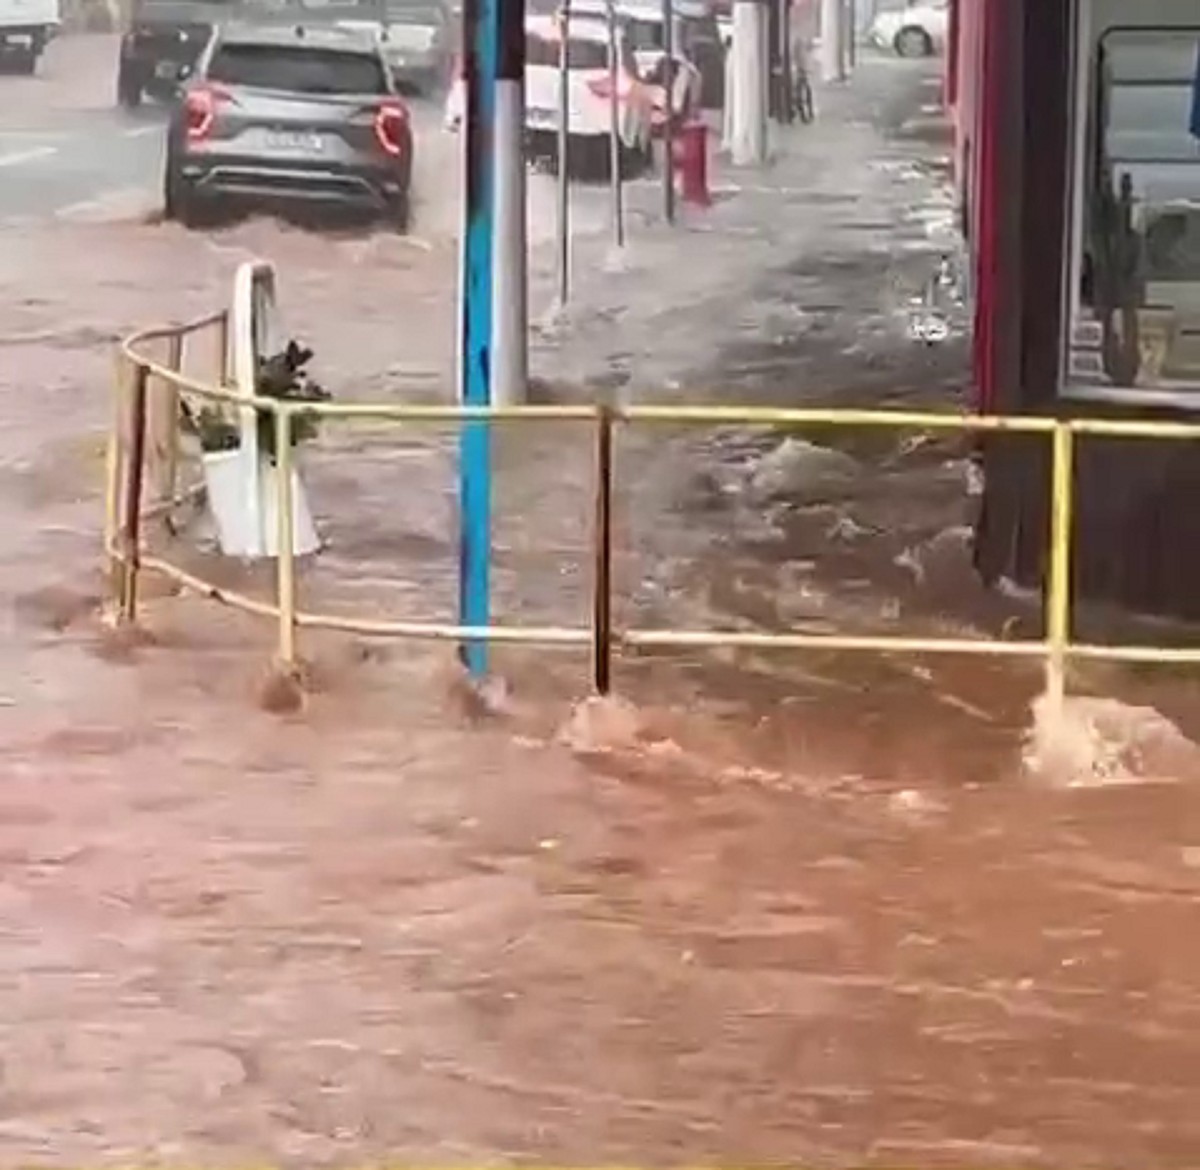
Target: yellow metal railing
x=126, y=507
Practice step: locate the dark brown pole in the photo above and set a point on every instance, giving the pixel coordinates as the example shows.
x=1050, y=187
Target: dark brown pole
x=132, y=519
x=602, y=546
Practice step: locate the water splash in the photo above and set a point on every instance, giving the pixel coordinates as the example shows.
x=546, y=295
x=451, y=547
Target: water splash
x=1094, y=742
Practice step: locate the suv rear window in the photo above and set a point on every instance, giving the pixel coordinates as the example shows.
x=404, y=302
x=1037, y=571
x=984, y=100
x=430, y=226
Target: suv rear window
x=581, y=53
x=297, y=70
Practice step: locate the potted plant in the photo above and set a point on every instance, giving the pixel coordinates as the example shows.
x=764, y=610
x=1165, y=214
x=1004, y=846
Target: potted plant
x=242, y=484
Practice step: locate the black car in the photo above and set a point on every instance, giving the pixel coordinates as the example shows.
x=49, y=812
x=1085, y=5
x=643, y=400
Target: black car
x=289, y=115
x=164, y=40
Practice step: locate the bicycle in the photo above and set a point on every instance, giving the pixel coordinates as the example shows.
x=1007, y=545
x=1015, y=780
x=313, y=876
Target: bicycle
x=802, y=92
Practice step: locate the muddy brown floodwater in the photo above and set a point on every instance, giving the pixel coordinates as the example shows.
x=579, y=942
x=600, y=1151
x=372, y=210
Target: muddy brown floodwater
x=760, y=910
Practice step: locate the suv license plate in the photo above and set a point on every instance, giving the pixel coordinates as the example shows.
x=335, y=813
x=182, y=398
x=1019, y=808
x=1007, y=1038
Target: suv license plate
x=541, y=117
x=295, y=140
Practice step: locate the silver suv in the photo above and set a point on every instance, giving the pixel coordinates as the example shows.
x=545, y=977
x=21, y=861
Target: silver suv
x=287, y=115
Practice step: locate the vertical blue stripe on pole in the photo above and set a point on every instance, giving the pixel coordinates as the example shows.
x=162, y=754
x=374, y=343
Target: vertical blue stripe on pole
x=481, y=21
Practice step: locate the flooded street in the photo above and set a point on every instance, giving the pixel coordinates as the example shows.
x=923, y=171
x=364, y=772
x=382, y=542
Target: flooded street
x=765, y=908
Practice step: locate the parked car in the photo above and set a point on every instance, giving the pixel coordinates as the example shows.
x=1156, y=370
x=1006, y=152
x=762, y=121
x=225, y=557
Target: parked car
x=919, y=29
x=588, y=93
x=416, y=39
x=163, y=40
x=414, y=35
x=697, y=43
x=289, y=115
x=641, y=89
x=26, y=26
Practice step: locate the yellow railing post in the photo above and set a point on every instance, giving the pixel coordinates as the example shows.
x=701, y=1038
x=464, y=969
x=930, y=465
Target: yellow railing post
x=602, y=555
x=170, y=412
x=112, y=479
x=1058, y=586
x=286, y=539
x=223, y=343
x=131, y=539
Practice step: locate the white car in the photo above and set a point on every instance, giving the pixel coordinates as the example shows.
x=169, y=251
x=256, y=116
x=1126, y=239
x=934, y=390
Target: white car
x=639, y=90
x=919, y=29
x=25, y=28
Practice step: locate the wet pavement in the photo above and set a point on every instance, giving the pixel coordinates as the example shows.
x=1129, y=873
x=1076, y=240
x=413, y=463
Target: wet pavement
x=764, y=909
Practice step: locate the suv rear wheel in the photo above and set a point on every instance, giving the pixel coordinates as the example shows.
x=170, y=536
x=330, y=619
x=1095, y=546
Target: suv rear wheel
x=398, y=213
x=179, y=200
x=129, y=89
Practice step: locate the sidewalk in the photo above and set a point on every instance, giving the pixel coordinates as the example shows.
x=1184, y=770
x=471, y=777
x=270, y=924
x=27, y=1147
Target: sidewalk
x=823, y=247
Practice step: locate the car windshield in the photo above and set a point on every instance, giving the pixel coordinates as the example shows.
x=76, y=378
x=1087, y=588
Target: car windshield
x=297, y=70
x=582, y=53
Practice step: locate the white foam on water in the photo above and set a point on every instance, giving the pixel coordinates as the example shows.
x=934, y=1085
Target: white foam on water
x=1095, y=742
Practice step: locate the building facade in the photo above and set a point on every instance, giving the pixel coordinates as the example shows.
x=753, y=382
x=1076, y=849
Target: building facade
x=1077, y=162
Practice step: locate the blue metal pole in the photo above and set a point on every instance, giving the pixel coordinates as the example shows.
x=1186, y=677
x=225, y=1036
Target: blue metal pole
x=480, y=60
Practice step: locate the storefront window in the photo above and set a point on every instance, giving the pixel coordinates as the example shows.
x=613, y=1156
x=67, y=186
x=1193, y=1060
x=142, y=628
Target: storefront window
x=1135, y=262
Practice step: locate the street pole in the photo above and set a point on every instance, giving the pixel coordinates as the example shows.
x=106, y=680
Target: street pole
x=668, y=136
x=510, y=297
x=480, y=60
x=832, y=28
x=564, y=155
x=614, y=130
x=749, y=138
x=774, y=60
x=785, y=59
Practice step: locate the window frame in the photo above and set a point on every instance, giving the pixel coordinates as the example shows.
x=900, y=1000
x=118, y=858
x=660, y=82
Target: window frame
x=1082, y=101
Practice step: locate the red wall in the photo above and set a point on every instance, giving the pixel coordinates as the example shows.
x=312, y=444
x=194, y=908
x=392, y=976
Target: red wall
x=973, y=100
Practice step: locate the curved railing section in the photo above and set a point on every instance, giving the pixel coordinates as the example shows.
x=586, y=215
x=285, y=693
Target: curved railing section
x=145, y=381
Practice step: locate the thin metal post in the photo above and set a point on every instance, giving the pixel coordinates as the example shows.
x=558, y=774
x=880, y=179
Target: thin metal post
x=481, y=20
x=787, y=94
x=170, y=409
x=112, y=478
x=668, y=135
x=132, y=519
x=285, y=520
x=602, y=549
x=223, y=343
x=1058, y=588
x=564, y=153
x=614, y=129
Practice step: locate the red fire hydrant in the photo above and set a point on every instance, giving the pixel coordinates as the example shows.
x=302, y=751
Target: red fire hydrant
x=691, y=161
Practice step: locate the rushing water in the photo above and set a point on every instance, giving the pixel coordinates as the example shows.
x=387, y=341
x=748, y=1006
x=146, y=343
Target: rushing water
x=760, y=908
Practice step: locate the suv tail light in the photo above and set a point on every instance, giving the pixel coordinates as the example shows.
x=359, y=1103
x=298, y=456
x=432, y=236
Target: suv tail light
x=200, y=110
x=391, y=127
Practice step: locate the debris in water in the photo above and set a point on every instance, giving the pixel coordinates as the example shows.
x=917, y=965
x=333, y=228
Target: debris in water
x=602, y=724
x=797, y=467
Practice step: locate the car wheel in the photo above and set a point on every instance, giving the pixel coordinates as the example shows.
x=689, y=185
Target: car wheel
x=597, y=155
x=179, y=200
x=129, y=90
x=914, y=42
x=636, y=160
x=398, y=214
x=26, y=61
